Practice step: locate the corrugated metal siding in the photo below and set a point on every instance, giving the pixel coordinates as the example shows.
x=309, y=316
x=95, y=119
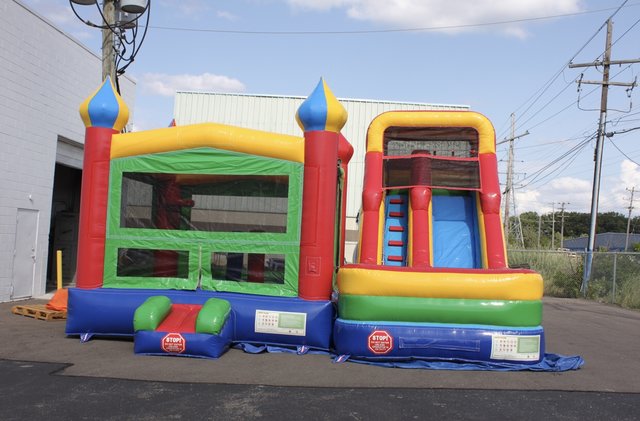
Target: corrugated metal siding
x=277, y=114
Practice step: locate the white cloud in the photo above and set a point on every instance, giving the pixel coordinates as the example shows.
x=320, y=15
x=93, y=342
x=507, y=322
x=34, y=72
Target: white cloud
x=196, y=9
x=576, y=192
x=226, y=15
x=630, y=173
x=446, y=13
x=617, y=198
x=188, y=7
x=167, y=85
x=320, y=4
x=570, y=190
x=528, y=200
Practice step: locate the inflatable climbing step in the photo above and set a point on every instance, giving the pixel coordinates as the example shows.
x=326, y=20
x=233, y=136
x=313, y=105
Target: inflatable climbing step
x=189, y=330
x=395, y=232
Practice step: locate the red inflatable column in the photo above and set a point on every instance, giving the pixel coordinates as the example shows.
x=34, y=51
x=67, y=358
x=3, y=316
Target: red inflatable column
x=321, y=117
x=420, y=196
x=420, y=235
x=490, y=203
x=104, y=114
x=371, y=202
x=345, y=152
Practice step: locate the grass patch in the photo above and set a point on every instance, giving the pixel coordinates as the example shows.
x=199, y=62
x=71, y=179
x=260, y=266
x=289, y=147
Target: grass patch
x=562, y=273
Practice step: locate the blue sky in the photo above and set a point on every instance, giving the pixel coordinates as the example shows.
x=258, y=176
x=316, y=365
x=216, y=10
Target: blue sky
x=497, y=69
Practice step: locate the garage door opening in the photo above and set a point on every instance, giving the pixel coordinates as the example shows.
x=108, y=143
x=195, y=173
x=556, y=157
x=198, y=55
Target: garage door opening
x=65, y=208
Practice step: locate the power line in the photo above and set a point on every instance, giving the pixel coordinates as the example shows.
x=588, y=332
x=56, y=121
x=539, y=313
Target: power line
x=607, y=164
x=572, y=157
x=589, y=171
x=567, y=106
x=382, y=31
x=620, y=37
x=539, y=145
x=624, y=118
x=509, y=197
x=569, y=156
x=624, y=154
x=611, y=134
x=541, y=91
x=557, y=171
x=557, y=113
x=571, y=153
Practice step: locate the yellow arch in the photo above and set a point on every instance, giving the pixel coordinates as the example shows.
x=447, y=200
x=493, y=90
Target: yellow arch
x=486, y=133
x=458, y=285
x=255, y=142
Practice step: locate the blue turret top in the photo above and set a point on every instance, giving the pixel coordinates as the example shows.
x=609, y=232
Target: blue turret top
x=105, y=108
x=321, y=111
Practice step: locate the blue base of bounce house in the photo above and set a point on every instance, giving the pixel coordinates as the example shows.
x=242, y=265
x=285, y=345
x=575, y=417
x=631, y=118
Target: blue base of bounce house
x=109, y=312
x=395, y=341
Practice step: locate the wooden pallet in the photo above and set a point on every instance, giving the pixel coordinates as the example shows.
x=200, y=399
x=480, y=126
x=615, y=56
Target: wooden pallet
x=40, y=312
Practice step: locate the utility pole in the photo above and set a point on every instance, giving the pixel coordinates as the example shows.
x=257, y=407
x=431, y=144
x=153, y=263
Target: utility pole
x=539, y=229
x=626, y=242
x=508, y=192
x=553, y=225
x=518, y=229
x=108, y=51
x=595, y=195
x=562, y=224
x=117, y=18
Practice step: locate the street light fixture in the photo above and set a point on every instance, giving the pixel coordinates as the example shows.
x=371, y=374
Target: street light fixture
x=120, y=35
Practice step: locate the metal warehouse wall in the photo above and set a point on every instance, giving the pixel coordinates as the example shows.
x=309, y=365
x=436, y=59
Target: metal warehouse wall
x=277, y=114
x=44, y=76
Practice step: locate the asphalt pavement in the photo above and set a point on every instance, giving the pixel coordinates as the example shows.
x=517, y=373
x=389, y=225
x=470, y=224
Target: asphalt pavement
x=48, y=375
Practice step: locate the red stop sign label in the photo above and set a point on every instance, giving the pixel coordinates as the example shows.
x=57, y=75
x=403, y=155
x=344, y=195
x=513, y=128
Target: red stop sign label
x=380, y=342
x=173, y=343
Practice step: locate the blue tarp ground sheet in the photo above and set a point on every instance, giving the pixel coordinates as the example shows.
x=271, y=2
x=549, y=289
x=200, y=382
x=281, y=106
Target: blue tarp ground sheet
x=551, y=362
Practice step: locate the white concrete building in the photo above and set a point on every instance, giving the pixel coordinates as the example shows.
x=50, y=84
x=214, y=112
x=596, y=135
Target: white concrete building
x=275, y=113
x=44, y=76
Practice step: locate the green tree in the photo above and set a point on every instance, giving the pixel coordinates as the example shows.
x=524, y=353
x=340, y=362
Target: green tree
x=612, y=222
x=576, y=224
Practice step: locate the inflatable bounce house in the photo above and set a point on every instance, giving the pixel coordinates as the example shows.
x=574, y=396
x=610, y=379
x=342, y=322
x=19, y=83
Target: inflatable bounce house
x=196, y=238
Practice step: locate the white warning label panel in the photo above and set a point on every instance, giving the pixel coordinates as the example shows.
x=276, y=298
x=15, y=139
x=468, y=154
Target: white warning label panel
x=281, y=323
x=515, y=347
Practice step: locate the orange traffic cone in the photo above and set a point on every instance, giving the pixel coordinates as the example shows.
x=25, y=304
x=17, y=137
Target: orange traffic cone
x=59, y=300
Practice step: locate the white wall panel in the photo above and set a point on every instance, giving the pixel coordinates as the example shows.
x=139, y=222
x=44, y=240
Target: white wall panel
x=44, y=77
